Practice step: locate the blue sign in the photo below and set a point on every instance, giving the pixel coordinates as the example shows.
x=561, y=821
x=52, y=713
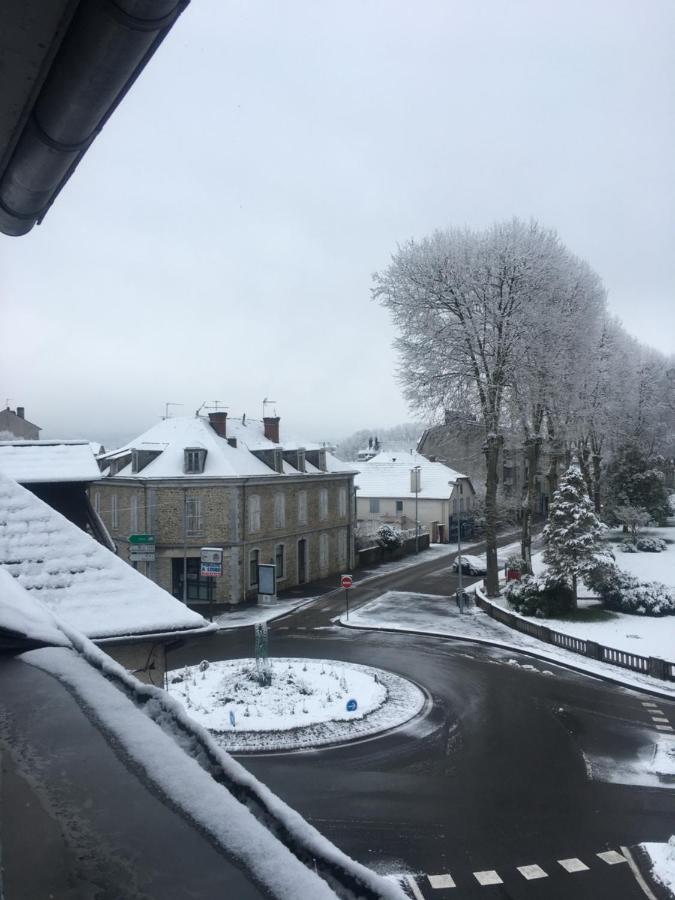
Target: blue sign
x=231, y=718
x=351, y=705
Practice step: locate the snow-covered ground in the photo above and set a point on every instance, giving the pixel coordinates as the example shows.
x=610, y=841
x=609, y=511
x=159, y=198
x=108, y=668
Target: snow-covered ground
x=652, y=766
x=662, y=859
x=650, y=566
x=306, y=704
x=254, y=615
x=431, y=614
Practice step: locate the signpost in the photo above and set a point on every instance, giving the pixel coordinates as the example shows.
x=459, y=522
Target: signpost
x=351, y=705
x=346, y=582
x=211, y=561
x=141, y=548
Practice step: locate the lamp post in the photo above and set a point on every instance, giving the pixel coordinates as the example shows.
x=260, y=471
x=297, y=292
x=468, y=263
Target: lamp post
x=460, y=584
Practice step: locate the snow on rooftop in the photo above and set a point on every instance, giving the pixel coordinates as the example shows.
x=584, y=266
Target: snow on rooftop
x=32, y=462
x=22, y=613
x=388, y=475
x=171, y=437
x=79, y=580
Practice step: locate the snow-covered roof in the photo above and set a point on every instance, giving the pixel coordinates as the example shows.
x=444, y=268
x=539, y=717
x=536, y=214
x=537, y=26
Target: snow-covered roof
x=388, y=475
x=30, y=462
x=22, y=613
x=171, y=437
x=79, y=580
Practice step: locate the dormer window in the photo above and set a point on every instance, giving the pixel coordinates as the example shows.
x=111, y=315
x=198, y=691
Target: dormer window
x=195, y=458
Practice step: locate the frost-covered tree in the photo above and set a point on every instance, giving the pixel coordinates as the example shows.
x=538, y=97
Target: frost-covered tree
x=573, y=533
x=464, y=303
x=634, y=481
x=632, y=518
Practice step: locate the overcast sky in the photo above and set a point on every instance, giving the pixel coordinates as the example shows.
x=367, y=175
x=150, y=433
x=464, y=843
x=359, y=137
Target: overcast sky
x=218, y=240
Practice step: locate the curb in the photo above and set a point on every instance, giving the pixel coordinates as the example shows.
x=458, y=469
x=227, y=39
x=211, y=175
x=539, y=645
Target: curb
x=652, y=692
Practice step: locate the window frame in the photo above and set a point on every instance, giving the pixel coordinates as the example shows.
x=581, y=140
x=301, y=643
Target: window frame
x=373, y=505
x=280, y=570
x=279, y=510
x=302, y=508
x=114, y=512
x=254, y=513
x=253, y=554
x=323, y=504
x=194, y=521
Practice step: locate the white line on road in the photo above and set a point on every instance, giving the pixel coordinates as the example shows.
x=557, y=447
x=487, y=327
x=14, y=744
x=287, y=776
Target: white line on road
x=441, y=881
x=647, y=704
x=664, y=727
x=573, y=865
x=611, y=857
x=531, y=872
x=412, y=884
x=487, y=877
x=661, y=719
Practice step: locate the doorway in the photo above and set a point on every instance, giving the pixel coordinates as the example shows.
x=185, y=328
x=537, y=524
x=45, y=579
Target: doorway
x=302, y=561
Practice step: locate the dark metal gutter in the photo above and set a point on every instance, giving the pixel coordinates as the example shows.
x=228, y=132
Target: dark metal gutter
x=104, y=50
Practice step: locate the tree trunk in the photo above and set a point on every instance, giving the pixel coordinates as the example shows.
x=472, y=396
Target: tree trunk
x=491, y=450
x=597, y=471
x=533, y=452
x=585, y=470
x=552, y=476
x=575, y=604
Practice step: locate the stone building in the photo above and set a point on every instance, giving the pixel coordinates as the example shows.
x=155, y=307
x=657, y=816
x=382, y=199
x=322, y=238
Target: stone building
x=234, y=484
x=15, y=424
x=460, y=442
x=87, y=587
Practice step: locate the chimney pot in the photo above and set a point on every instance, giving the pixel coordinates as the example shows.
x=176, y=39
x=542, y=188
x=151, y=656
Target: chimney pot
x=271, y=424
x=21, y=412
x=218, y=421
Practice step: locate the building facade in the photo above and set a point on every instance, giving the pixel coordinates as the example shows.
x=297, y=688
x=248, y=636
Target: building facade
x=14, y=424
x=230, y=484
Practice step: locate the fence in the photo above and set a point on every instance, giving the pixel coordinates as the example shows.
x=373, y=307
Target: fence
x=368, y=556
x=648, y=665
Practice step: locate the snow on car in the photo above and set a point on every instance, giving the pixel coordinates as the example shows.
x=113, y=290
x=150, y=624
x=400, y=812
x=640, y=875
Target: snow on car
x=471, y=565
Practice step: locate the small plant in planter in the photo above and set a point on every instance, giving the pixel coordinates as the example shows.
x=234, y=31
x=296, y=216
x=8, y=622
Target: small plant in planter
x=515, y=567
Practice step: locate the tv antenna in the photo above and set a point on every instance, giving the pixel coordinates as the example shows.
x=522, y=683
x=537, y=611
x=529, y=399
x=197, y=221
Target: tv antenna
x=212, y=404
x=166, y=408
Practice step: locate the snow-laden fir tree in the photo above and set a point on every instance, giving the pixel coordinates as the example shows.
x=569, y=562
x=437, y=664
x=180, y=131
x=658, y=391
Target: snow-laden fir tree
x=573, y=533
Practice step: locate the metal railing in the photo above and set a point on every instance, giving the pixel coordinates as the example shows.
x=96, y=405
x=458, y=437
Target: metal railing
x=647, y=665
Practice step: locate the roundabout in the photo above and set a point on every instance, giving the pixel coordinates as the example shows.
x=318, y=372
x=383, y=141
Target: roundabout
x=294, y=703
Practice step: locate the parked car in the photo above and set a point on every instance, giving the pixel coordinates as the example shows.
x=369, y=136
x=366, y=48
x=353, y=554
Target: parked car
x=471, y=565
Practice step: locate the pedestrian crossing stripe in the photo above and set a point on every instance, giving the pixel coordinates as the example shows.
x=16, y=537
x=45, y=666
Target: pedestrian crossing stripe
x=532, y=872
x=441, y=881
x=611, y=857
x=573, y=865
x=489, y=876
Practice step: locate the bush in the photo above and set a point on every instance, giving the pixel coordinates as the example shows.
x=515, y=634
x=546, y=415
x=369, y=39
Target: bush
x=651, y=544
x=516, y=563
x=628, y=547
x=389, y=538
x=623, y=592
x=540, y=596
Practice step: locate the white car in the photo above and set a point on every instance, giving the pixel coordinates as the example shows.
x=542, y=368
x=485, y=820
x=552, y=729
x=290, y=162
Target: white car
x=471, y=565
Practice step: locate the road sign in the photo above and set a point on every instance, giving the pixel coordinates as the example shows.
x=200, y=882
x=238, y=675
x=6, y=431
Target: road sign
x=141, y=539
x=351, y=705
x=346, y=581
x=142, y=556
x=211, y=569
x=212, y=555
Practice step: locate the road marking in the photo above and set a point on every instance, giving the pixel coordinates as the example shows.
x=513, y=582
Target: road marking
x=531, y=872
x=660, y=719
x=611, y=857
x=412, y=884
x=638, y=875
x=441, y=881
x=489, y=876
x=645, y=703
x=573, y=865
x=664, y=727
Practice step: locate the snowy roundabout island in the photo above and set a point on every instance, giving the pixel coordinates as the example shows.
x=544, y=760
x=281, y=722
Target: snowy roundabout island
x=293, y=703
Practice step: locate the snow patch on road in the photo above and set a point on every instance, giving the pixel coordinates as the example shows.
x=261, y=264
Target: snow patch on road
x=662, y=859
x=654, y=765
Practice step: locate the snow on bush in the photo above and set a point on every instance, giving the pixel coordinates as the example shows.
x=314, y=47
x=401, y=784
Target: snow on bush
x=651, y=545
x=539, y=595
x=623, y=592
x=389, y=538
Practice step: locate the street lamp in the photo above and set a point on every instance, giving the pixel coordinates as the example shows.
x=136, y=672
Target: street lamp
x=460, y=586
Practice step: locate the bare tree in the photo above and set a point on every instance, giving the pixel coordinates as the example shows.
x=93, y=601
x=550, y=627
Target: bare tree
x=463, y=302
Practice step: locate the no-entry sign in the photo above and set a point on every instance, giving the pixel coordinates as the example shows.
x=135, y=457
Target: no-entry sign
x=346, y=581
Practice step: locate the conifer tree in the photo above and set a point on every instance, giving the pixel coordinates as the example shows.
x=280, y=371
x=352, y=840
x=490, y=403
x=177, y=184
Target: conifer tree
x=573, y=533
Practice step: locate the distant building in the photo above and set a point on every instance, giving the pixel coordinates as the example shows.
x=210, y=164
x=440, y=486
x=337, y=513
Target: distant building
x=390, y=484
x=58, y=472
x=88, y=587
x=234, y=484
x=14, y=423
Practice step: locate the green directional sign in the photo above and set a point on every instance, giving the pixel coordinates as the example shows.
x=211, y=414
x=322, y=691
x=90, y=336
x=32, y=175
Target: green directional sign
x=141, y=539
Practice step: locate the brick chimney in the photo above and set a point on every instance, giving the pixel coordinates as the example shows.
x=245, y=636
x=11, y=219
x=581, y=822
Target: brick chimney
x=21, y=412
x=218, y=421
x=272, y=428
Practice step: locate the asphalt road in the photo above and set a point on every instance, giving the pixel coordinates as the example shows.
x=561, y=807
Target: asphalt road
x=492, y=779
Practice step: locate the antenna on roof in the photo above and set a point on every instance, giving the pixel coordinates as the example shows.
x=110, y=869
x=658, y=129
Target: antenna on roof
x=267, y=402
x=166, y=408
